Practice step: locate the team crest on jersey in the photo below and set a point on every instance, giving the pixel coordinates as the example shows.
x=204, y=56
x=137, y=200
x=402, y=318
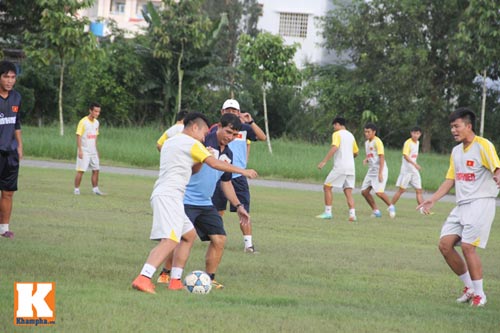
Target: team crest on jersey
x=15, y=108
x=470, y=163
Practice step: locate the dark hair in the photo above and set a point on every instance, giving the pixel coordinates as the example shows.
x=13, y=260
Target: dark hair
x=7, y=66
x=339, y=120
x=180, y=115
x=371, y=126
x=94, y=105
x=232, y=120
x=195, y=117
x=416, y=129
x=466, y=114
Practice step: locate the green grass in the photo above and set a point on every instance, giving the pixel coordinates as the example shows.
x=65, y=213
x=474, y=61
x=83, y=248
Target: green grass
x=377, y=275
x=290, y=160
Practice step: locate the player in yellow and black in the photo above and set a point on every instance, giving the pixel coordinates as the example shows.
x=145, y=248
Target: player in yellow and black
x=475, y=173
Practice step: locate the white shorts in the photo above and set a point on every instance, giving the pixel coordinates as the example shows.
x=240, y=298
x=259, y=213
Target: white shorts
x=372, y=180
x=471, y=221
x=169, y=219
x=92, y=160
x=406, y=179
x=340, y=180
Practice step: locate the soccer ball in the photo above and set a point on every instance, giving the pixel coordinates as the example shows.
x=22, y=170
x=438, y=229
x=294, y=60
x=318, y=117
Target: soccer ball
x=198, y=282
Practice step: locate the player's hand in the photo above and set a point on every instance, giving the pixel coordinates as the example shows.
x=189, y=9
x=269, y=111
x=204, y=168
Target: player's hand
x=418, y=167
x=245, y=117
x=425, y=207
x=497, y=180
x=250, y=173
x=80, y=154
x=365, y=161
x=380, y=178
x=243, y=215
x=321, y=165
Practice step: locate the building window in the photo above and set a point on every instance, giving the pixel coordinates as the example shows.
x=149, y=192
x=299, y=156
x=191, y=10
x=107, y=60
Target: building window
x=293, y=25
x=117, y=7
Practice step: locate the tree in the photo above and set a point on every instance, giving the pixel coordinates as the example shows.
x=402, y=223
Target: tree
x=477, y=43
x=269, y=62
x=404, y=49
x=62, y=37
x=16, y=17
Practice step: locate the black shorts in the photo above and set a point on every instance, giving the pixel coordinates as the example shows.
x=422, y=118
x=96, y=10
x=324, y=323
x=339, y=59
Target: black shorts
x=206, y=221
x=9, y=170
x=242, y=190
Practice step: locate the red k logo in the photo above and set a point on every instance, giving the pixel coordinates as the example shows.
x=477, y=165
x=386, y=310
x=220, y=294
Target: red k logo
x=15, y=108
x=470, y=163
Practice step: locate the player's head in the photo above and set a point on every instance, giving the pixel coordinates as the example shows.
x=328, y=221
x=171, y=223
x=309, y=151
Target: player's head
x=231, y=106
x=339, y=120
x=466, y=115
x=370, y=130
x=230, y=125
x=415, y=133
x=8, y=73
x=180, y=115
x=94, y=110
x=196, y=125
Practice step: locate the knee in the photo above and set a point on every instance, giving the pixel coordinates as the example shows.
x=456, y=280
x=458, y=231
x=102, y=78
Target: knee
x=218, y=241
x=445, y=248
x=365, y=193
x=7, y=195
x=468, y=248
x=327, y=188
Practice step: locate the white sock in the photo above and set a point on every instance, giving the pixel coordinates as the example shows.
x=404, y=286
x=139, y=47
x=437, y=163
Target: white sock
x=352, y=212
x=376, y=211
x=466, y=280
x=176, y=273
x=95, y=189
x=4, y=228
x=328, y=209
x=478, y=287
x=247, y=239
x=148, y=270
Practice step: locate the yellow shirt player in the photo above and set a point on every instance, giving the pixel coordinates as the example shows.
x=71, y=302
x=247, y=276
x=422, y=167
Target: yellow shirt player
x=172, y=130
x=475, y=173
x=409, y=174
x=376, y=177
x=343, y=175
x=87, y=154
x=171, y=226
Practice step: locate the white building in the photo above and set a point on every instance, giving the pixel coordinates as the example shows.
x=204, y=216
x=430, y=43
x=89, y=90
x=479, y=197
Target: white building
x=295, y=22
x=126, y=13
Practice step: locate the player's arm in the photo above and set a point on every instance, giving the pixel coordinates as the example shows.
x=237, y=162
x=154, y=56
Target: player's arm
x=19, y=139
x=223, y=166
x=408, y=159
x=259, y=133
x=161, y=141
x=79, y=146
x=328, y=156
x=381, y=160
x=445, y=187
x=230, y=194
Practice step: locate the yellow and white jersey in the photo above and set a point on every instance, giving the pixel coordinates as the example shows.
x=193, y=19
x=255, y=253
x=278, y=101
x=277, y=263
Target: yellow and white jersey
x=88, y=130
x=177, y=157
x=410, y=149
x=170, y=132
x=472, y=170
x=343, y=159
x=374, y=148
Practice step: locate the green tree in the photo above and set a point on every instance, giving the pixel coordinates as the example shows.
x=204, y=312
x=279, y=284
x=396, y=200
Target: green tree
x=477, y=43
x=61, y=37
x=269, y=62
x=404, y=49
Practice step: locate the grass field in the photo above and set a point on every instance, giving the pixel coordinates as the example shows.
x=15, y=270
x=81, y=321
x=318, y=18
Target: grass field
x=290, y=159
x=377, y=275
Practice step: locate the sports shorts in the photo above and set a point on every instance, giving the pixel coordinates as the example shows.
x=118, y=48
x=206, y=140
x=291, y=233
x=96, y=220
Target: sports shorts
x=242, y=190
x=471, y=221
x=372, y=180
x=340, y=180
x=206, y=221
x=169, y=219
x=409, y=179
x=92, y=160
x=9, y=170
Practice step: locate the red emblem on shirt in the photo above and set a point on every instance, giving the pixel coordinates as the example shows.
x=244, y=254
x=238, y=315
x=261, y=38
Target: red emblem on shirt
x=15, y=108
x=470, y=163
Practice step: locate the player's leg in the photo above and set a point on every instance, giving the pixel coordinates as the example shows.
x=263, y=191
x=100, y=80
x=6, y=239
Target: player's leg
x=213, y=257
x=181, y=256
x=397, y=195
x=82, y=165
x=164, y=277
x=78, y=181
x=328, y=200
x=242, y=191
x=366, y=188
x=94, y=164
x=350, y=204
x=5, y=213
x=9, y=171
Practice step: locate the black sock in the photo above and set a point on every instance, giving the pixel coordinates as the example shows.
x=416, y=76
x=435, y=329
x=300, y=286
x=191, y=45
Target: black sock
x=212, y=276
x=166, y=271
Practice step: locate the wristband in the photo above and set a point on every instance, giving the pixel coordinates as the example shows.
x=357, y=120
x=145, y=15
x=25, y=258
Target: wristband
x=238, y=205
x=250, y=122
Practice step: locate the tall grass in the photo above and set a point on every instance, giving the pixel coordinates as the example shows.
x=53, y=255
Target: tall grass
x=377, y=275
x=290, y=160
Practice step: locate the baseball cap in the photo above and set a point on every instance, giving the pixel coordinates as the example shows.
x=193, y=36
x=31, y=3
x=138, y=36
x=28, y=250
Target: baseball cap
x=231, y=103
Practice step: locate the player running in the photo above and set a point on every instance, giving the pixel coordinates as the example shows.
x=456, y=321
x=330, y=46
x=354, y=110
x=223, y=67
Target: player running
x=475, y=173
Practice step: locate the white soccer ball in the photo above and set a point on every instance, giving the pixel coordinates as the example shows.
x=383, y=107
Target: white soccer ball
x=198, y=282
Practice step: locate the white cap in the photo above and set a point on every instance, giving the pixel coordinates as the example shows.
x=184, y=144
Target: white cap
x=231, y=103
